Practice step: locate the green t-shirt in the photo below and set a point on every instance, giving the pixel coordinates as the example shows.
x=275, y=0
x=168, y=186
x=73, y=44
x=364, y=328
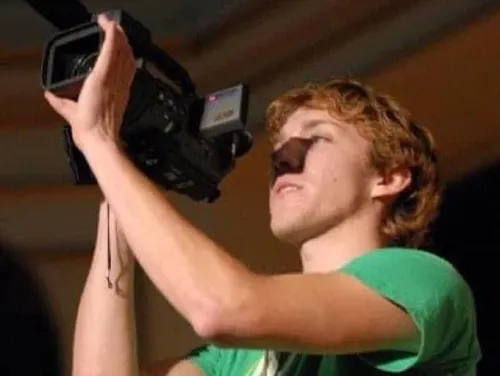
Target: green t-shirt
x=426, y=286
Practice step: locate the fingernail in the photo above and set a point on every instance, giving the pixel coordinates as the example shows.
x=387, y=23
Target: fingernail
x=103, y=17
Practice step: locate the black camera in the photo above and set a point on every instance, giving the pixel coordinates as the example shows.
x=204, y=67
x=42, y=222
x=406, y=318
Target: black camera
x=181, y=141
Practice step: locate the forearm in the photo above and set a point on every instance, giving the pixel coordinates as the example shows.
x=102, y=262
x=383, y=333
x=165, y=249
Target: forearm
x=193, y=272
x=105, y=342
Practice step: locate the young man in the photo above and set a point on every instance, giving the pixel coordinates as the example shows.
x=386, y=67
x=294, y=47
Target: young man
x=354, y=188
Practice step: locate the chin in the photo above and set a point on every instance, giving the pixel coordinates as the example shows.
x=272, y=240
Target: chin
x=300, y=229
x=288, y=237
x=293, y=222
x=291, y=232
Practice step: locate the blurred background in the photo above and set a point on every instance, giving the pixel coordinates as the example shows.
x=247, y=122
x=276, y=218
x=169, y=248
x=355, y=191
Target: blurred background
x=439, y=58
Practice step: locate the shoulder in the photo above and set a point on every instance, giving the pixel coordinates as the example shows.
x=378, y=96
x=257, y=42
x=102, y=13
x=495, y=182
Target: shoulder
x=403, y=257
x=435, y=295
x=418, y=270
x=426, y=285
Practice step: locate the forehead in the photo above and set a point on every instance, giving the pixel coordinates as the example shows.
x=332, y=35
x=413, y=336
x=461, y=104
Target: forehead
x=305, y=120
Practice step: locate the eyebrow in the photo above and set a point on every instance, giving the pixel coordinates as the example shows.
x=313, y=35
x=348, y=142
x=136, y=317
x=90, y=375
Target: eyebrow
x=313, y=123
x=308, y=125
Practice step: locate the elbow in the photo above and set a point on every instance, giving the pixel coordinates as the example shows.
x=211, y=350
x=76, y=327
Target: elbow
x=208, y=325
x=223, y=321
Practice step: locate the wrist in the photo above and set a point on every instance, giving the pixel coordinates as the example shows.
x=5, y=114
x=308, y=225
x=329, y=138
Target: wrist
x=96, y=139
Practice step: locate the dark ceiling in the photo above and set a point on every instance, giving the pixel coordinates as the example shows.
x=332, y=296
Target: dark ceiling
x=165, y=19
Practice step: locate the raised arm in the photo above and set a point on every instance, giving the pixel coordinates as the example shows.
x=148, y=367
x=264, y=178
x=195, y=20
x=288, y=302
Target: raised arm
x=104, y=342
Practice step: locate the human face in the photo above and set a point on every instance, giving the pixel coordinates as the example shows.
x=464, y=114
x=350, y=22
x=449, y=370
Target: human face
x=334, y=184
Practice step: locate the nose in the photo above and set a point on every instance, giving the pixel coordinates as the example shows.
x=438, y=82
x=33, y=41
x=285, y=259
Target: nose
x=290, y=158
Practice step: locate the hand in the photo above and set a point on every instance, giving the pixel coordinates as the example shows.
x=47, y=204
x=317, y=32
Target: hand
x=105, y=92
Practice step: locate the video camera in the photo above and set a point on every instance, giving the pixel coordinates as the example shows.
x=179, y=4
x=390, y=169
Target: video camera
x=180, y=141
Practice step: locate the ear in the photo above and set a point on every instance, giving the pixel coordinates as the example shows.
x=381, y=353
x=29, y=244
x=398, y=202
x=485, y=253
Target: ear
x=389, y=184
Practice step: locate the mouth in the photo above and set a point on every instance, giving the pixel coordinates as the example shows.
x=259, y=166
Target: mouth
x=282, y=188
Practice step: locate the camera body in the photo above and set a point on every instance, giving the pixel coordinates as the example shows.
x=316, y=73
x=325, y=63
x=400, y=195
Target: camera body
x=181, y=141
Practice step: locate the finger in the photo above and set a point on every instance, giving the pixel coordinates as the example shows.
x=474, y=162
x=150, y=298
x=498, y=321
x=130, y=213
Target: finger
x=121, y=49
x=108, y=48
x=130, y=65
x=116, y=75
x=64, y=107
x=124, y=68
x=103, y=21
x=121, y=38
x=124, y=49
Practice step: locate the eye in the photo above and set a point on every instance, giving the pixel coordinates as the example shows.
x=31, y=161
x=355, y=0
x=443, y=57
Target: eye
x=319, y=137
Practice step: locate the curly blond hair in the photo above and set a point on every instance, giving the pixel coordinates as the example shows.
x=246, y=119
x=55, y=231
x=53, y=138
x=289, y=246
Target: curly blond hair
x=397, y=141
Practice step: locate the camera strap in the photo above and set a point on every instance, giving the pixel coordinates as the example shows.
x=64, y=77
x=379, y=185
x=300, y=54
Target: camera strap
x=108, y=277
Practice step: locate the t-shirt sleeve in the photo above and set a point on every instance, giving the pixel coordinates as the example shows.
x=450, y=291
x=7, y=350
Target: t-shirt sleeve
x=206, y=358
x=436, y=297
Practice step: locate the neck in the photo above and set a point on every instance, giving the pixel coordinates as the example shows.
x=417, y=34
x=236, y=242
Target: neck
x=340, y=244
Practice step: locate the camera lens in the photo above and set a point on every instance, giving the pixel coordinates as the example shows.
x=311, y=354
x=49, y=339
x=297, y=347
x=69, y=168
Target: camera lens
x=83, y=64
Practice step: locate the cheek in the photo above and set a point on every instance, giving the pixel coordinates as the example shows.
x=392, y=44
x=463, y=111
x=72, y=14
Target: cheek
x=322, y=170
x=335, y=175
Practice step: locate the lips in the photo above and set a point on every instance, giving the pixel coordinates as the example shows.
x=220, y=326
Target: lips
x=282, y=187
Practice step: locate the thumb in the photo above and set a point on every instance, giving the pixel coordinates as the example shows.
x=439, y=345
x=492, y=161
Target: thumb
x=64, y=107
